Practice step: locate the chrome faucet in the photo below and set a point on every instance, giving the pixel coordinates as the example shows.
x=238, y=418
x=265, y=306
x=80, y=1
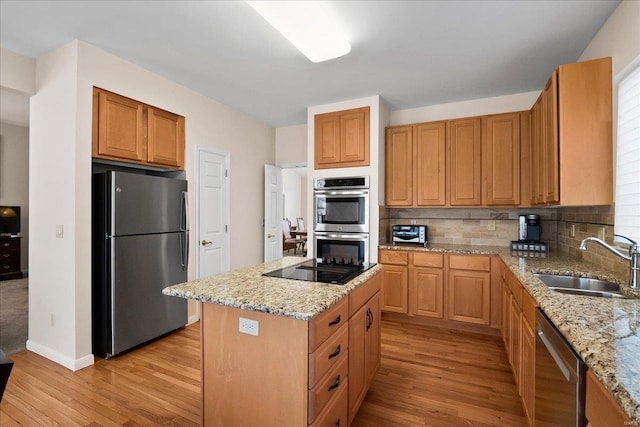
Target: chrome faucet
x=633, y=257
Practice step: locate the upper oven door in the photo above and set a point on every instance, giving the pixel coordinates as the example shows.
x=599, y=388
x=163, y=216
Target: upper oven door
x=341, y=210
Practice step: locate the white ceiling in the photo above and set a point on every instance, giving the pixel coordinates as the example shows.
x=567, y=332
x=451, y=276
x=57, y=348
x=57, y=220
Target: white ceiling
x=411, y=53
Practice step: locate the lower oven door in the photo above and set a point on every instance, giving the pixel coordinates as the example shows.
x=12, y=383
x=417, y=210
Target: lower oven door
x=560, y=379
x=349, y=248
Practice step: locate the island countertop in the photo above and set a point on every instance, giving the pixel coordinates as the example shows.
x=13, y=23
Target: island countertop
x=248, y=289
x=605, y=332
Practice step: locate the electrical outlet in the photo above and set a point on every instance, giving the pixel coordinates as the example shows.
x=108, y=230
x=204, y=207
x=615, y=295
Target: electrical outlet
x=248, y=326
x=601, y=233
x=573, y=230
x=59, y=231
x=414, y=222
x=491, y=226
x=52, y=320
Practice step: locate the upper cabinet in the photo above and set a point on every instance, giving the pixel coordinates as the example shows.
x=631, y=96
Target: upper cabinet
x=465, y=162
x=464, y=171
x=129, y=131
x=571, y=137
x=342, y=139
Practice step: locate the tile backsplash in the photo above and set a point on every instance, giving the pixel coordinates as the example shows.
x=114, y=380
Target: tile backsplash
x=472, y=227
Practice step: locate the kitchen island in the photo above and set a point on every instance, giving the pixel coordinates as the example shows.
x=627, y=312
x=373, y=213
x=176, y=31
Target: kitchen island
x=285, y=352
x=604, y=332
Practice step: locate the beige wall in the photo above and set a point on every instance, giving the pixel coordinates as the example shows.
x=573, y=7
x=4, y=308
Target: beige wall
x=14, y=178
x=291, y=145
x=60, y=185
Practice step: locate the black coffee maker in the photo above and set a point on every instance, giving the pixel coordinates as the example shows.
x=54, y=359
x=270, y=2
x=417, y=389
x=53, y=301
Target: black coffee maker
x=529, y=232
x=529, y=229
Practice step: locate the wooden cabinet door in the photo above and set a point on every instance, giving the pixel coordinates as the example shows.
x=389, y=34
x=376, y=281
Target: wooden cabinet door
x=427, y=292
x=430, y=160
x=515, y=314
x=501, y=159
x=506, y=317
x=327, y=139
x=464, y=162
x=398, y=166
x=394, y=289
x=551, y=147
x=165, y=138
x=354, y=137
x=357, y=364
x=120, y=128
x=469, y=296
x=372, y=341
x=364, y=351
x=527, y=375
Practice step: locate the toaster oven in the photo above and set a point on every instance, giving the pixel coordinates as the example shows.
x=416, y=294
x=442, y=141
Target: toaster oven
x=409, y=234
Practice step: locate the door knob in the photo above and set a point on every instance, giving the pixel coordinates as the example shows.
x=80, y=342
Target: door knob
x=205, y=243
x=270, y=236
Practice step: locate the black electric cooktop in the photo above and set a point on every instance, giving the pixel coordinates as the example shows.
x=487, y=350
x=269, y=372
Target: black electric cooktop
x=314, y=271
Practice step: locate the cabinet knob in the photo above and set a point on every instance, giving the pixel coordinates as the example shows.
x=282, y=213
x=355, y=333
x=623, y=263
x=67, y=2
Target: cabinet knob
x=6, y=267
x=6, y=255
x=5, y=244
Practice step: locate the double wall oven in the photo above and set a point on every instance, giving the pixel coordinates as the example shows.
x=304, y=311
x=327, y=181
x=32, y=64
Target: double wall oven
x=341, y=220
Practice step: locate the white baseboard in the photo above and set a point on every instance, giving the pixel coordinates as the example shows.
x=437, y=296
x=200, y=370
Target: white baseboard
x=59, y=358
x=193, y=319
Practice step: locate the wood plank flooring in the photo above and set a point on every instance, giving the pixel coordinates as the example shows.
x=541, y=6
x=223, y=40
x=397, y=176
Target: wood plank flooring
x=429, y=377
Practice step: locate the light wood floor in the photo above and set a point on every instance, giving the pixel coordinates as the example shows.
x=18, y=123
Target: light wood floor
x=429, y=377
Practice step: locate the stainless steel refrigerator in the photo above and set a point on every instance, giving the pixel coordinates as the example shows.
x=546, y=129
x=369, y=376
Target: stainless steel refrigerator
x=140, y=245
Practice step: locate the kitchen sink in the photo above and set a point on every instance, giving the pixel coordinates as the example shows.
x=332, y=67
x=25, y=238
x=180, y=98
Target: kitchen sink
x=581, y=286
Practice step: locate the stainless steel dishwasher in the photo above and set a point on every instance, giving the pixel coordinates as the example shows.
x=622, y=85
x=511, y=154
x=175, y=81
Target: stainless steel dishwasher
x=560, y=379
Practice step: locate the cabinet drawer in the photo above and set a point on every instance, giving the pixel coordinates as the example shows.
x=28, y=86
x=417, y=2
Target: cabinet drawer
x=9, y=267
x=358, y=297
x=336, y=411
x=9, y=257
x=327, y=356
x=470, y=262
x=327, y=323
x=328, y=386
x=10, y=245
x=424, y=259
x=394, y=257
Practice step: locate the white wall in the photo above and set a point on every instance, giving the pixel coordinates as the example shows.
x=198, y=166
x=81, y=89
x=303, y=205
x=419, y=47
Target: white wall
x=619, y=37
x=474, y=107
x=61, y=187
x=14, y=179
x=291, y=145
x=17, y=72
x=378, y=121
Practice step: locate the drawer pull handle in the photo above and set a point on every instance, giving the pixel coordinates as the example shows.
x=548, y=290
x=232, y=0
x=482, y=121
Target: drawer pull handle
x=338, y=423
x=335, y=385
x=335, y=322
x=335, y=353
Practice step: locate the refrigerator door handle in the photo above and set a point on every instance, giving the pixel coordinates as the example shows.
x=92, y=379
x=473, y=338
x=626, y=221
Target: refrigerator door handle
x=184, y=250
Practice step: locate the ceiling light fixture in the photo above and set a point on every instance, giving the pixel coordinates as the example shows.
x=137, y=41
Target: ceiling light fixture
x=308, y=25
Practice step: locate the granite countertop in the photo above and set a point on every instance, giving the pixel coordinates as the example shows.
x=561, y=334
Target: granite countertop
x=604, y=332
x=247, y=289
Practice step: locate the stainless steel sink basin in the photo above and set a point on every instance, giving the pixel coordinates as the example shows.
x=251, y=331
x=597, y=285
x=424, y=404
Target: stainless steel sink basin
x=581, y=286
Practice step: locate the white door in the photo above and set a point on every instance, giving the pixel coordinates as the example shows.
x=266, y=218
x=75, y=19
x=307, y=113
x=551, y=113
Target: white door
x=273, y=211
x=213, y=212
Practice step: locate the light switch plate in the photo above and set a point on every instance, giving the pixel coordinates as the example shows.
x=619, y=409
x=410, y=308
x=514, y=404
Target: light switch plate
x=491, y=225
x=601, y=233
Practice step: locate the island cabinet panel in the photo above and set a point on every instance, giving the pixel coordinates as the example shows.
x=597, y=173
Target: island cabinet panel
x=336, y=412
x=464, y=162
x=601, y=409
x=328, y=354
x=331, y=384
x=232, y=360
x=364, y=352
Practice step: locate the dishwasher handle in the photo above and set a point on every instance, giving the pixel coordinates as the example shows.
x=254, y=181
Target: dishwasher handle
x=554, y=354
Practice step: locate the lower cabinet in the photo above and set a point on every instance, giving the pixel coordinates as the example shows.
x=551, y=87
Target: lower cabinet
x=601, y=409
x=518, y=333
x=433, y=285
x=319, y=370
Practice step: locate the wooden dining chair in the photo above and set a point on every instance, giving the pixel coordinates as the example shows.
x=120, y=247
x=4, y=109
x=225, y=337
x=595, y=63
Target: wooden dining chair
x=300, y=221
x=288, y=242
